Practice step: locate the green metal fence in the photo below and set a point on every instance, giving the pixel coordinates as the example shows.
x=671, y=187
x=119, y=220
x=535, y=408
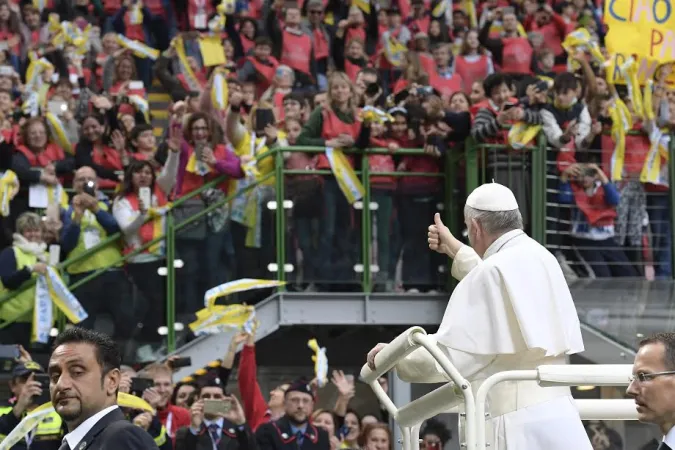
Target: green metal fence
x=530, y=163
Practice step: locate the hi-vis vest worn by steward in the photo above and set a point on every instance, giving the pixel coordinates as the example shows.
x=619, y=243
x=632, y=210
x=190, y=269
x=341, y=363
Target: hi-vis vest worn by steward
x=91, y=234
x=49, y=429
x=20, y=306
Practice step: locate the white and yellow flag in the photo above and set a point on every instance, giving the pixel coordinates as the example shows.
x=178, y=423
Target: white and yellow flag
x=349, y=183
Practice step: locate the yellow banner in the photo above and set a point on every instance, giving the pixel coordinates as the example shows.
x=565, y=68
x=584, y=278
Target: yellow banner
x=646, y=68
x=643, y=28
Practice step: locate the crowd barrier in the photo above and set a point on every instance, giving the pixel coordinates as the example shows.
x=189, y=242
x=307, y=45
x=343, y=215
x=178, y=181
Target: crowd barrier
x=465, y=166
x=410, y=417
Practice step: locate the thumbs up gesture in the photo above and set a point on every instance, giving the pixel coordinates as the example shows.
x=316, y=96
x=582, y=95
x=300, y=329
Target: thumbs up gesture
x=441, y=239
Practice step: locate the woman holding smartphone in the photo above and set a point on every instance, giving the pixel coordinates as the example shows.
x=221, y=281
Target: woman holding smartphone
x=140, y=209
x=203, y=158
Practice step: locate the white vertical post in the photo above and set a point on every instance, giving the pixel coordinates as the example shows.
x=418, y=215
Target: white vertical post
x=400, y=394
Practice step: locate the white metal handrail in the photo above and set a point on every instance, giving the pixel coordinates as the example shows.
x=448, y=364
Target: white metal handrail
x=558, y=375
x=410, y=417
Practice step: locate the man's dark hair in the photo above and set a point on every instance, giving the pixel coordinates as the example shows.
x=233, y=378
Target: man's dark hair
x=263, y=40
x=494, y=81
x=370, y=71
x=107, y=354
x=436, y=428
x=564, y=82
x=668, y=341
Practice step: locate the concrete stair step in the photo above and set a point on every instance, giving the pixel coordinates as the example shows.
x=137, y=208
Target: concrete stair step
x=159, y=97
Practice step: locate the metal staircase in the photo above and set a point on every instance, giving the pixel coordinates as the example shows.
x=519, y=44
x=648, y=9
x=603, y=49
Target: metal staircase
x=286, y=309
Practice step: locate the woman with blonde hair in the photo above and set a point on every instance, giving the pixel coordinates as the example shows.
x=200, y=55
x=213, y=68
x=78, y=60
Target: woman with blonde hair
x=335, y=126
x=474, y=62
x=25, y=259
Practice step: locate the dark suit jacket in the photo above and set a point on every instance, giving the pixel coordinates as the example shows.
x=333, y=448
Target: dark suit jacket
x=232, y=438
x=115, y=432
x=278, y=436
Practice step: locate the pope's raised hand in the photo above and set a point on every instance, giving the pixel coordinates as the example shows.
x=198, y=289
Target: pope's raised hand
x=441, y=239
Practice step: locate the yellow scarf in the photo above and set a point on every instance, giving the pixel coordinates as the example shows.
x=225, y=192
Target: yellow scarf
x=622, y=121
x=9, y=187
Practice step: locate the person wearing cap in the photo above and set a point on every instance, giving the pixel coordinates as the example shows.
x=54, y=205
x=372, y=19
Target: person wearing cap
x=294, y=431
x=49, y=432
x=512, y=310
x=216, y=431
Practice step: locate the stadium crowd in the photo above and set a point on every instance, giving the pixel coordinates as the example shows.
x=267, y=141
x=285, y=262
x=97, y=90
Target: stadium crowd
x=87, y=153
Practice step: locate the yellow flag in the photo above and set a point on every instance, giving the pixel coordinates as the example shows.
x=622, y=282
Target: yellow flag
x=212, y=50
x=363, y=5
x=242, y=285
x=522, y=134
x=349, y=183
x=320, y=362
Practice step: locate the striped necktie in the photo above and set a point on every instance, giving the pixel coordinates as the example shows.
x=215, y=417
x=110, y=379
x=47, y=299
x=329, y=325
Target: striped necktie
x=213, y=431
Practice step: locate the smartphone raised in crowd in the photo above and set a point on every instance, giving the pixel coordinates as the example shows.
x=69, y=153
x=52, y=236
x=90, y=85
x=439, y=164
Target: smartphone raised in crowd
x=214, y=407
x=144, y=196
x=342, y=432
x=90, y=188
x=9, y=352
x=136, y=85
x=57, y=107
x=181, y=362
x=263, y=117
x=139, y=385
x=43, y=379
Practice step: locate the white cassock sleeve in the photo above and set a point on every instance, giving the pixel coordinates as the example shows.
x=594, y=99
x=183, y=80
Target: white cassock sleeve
x=421, y=367
x=465, y=260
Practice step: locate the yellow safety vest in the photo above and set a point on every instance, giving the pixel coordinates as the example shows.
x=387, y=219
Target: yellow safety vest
x=21, y=306
x=91, y=232
x=49, y=429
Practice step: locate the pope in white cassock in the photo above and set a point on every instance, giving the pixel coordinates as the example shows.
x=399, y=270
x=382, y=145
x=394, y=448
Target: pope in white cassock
x=512, y=310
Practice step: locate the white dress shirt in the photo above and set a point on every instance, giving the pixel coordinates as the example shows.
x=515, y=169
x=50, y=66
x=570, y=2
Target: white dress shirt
x=74, y=437
x=669, y=438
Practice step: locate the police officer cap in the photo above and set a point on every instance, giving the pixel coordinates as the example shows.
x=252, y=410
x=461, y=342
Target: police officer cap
x=492, y=197
x=26, y=368
x=300, y=385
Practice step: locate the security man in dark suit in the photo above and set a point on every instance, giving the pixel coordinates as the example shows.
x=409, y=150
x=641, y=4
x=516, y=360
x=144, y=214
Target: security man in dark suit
x=653, y=385
x=293, y=431
x=84, y=368
x=210, y=430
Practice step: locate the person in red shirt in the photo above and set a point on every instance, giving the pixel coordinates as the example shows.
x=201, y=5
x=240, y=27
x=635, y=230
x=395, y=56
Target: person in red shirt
x=259, y=67
x=293, y=44
x=474, y=62
x=444, y=79
x=511, y=51
x=553, y=27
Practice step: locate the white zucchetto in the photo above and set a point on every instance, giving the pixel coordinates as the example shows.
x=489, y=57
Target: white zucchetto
x=492, y=197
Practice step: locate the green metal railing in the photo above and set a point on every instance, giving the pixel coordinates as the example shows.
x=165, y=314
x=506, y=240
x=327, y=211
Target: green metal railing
x=471, y=154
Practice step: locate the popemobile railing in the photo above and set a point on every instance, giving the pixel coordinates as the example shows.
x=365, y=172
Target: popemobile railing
x=450, y=213
x=458, y=395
